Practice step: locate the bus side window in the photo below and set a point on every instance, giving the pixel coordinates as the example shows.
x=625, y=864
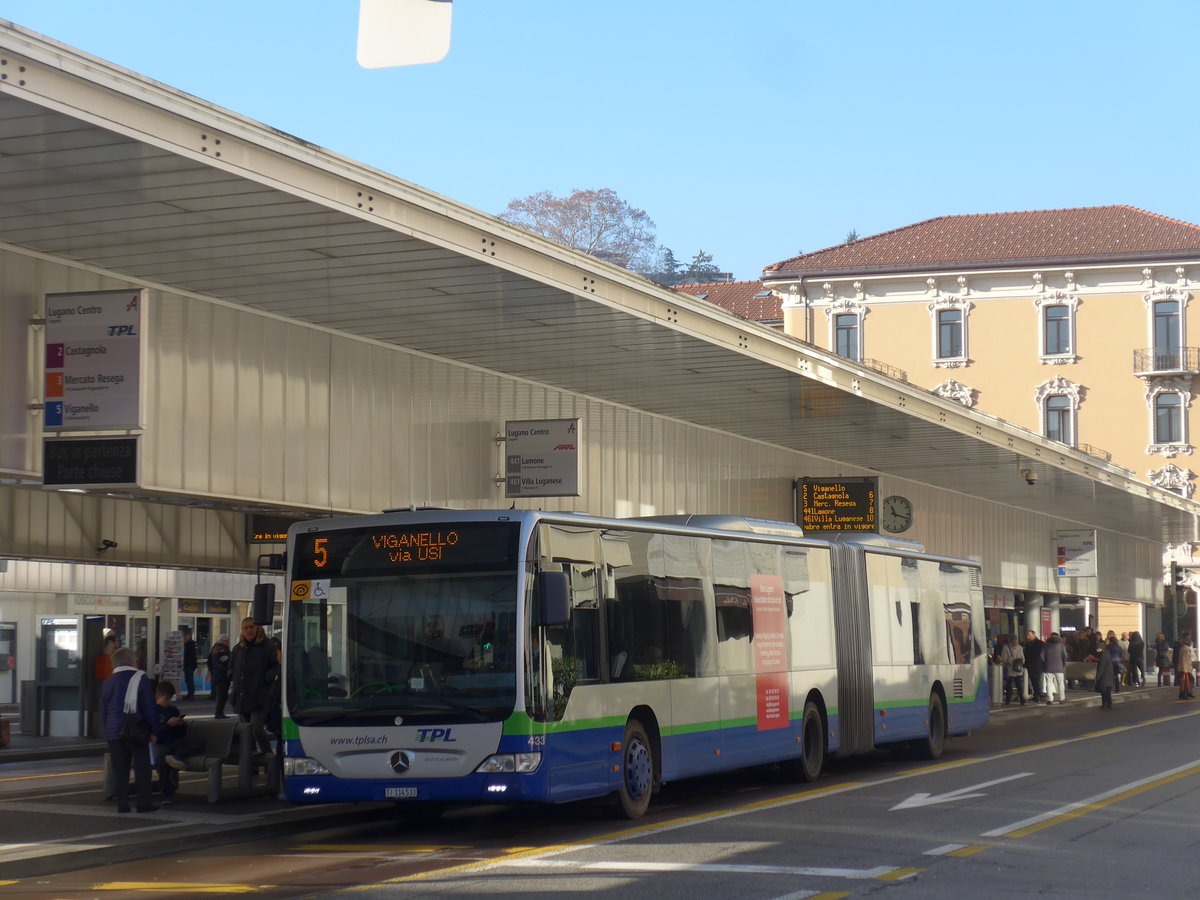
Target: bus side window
x=584, y=630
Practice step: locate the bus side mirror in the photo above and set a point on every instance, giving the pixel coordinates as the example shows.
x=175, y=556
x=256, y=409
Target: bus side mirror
x=553, y=599
x=263, y=608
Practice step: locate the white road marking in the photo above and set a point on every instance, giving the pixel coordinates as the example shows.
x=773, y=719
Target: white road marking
x=729, y=868
x=918, y=800
x=1098, y=798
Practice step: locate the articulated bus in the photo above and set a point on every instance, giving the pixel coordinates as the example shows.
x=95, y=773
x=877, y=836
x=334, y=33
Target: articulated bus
x=436, y=656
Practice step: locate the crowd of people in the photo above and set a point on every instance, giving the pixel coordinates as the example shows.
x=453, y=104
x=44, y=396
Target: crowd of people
x=1035, y=670
x=141, y=722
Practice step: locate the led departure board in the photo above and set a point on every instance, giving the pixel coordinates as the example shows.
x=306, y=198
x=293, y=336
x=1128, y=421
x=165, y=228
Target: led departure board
x=387, y=549
x=838, y=504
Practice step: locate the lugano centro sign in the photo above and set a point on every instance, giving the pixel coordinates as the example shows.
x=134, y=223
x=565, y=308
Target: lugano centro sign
x=93, y=360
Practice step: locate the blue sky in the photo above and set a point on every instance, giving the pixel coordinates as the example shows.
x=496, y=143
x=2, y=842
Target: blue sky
x=751, y=129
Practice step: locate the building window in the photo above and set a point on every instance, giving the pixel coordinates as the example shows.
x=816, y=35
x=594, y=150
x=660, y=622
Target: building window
x=1058, y=405
x=1058, y=419
x=950, y=334
x=1168, y=419
x=1056, y=324
x=949, y=314
x=846, y=327
x=845, y=334
x=1058, y=330
x=1168, y=335
x=1168, y=400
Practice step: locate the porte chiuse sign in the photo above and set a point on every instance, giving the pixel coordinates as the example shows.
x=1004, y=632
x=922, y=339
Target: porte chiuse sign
x=838, y=504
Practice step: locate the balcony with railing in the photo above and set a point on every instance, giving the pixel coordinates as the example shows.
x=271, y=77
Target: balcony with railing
x=1177, y=360
x=890, y=371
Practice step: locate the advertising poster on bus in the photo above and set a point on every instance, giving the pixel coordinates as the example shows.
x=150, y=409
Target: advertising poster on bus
x=770, y=650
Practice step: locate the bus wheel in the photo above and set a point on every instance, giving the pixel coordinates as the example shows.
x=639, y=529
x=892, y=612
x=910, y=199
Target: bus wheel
x=807, y=767
x=931, y=747
x=637, y=771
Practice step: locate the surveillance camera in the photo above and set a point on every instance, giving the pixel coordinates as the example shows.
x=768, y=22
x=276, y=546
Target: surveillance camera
x=1029, y=475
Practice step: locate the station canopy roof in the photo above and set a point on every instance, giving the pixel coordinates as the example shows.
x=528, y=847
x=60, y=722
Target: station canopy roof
x=110, y=170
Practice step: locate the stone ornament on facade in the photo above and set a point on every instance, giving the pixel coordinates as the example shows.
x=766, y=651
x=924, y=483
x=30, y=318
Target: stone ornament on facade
x=846, y=306
x=1059, y=385
x=1174, y=479
x=1065, y=298
x=959, y=393
x=1167, y=292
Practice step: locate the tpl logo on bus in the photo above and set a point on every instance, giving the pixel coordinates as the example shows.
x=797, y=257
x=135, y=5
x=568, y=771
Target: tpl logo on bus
x=429, y=735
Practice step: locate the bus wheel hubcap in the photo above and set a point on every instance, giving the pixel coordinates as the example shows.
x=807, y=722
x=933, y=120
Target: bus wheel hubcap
x=637, y=769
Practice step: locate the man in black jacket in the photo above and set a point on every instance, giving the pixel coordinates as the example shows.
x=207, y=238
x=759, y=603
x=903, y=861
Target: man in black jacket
x=1033, y=663
x=218, y=671
x=254, y=668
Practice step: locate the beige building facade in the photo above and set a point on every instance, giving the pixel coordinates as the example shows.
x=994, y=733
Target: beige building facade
x=1073, y=324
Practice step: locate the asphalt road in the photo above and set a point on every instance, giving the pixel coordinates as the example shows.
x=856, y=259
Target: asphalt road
x=1062, y=802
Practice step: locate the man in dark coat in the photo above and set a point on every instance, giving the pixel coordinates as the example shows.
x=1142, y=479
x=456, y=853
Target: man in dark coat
x=1033, y=663
x=254, y=668
x=1106, y=677
x=218, y=671
x=123, y=752
x=1137, y=659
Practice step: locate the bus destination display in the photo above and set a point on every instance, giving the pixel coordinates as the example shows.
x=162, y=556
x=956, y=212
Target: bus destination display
x=838, y=504
x=388, y=549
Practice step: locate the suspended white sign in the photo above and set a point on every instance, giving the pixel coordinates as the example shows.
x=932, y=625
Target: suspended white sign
x=93, y=360
x=402, y=32
x=1075, y=554
x=541, y=458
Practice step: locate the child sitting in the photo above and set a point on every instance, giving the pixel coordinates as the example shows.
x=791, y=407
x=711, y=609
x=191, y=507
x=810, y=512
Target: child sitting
x=171, y=741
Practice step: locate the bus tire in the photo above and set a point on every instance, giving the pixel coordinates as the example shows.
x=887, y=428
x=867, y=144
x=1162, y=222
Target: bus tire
x=808, y=766
x=637, y=771
x=931, y=747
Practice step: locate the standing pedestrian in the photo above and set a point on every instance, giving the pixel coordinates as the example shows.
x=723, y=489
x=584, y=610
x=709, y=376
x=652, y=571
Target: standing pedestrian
x=1033, y=663
x=218, y=673
x=1162, y=659
x=1105, y=677
x=253, y=669
x=1013, y=658
x=1054, y=668
x=128, y=694
x=1183, y=664
x=189, y=663
x=1137, y=659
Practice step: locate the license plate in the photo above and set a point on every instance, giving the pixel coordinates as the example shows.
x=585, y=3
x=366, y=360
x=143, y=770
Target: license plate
x=399, y=793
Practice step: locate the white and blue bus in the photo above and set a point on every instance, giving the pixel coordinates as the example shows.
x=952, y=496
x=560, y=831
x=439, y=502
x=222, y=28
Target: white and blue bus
x=439, y=656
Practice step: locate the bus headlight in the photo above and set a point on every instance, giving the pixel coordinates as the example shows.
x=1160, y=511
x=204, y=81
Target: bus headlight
x=510, y=762
x=302, y=765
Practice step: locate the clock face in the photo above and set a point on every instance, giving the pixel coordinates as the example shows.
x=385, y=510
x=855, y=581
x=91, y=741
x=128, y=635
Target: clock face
x=895, y=514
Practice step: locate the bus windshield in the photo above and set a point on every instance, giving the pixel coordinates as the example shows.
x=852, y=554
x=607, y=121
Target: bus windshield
x=409, y=626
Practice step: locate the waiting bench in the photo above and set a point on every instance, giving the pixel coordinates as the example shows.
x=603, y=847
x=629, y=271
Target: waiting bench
x=1081, y=673
x=220, y=750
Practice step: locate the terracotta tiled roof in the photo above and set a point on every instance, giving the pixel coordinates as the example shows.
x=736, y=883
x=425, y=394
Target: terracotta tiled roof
x=738, y=297
x=996, y=239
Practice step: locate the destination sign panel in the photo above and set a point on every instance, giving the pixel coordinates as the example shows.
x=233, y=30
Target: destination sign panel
x=388, y=549
x=838, y=504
